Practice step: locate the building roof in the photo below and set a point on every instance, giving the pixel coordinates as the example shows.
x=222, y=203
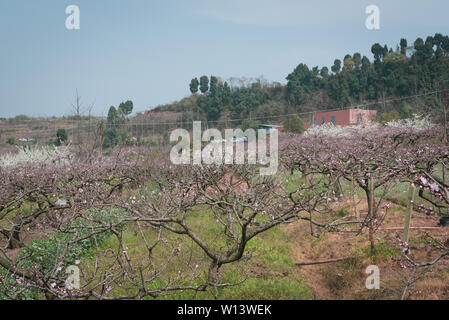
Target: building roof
x=270, y=125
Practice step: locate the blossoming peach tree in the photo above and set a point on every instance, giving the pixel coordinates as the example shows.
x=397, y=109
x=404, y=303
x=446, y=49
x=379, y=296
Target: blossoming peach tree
x=51, y=216
x=191, y=222
x=375, y=159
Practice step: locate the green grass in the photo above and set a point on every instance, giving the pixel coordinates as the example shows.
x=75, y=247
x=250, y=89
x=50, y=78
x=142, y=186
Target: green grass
x=271, y=273
x=271, y=289
x=317, y=240
x=291, y=181
x=45, y=253
x=382, y=250
x=397, y=194
x=426, y=241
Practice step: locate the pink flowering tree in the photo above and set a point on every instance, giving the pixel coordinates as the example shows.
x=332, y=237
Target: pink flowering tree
x=374, y=159
x=430, y=177
x=238, y=202
x=51, y=214
x=49, y=200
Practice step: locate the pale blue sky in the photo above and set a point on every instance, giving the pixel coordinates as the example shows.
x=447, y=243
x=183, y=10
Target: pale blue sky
x=148, y=50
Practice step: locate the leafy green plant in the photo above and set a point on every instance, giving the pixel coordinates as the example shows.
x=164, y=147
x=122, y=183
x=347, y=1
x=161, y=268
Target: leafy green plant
x=11, y=141
x=45, y=253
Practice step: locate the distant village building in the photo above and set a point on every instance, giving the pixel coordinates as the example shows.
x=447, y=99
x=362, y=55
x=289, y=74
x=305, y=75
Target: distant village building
x=269, y=127
x=348, y=117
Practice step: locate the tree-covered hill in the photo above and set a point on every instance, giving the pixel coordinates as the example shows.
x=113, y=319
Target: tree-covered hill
x=407, y=70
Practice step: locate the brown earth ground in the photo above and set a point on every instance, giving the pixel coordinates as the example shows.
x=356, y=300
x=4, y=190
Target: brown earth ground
x=346, y=279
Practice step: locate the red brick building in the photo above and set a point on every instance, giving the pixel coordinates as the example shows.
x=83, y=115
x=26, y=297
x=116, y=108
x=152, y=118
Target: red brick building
x=344, y=118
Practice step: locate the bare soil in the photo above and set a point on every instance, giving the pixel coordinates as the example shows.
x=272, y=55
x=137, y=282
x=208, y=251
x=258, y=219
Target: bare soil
x=346, y=279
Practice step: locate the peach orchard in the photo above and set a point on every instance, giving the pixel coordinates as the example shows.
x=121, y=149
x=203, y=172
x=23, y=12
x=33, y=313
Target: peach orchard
x=54, y=212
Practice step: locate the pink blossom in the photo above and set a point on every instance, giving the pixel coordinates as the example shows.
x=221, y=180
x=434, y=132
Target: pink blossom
x=434, y=187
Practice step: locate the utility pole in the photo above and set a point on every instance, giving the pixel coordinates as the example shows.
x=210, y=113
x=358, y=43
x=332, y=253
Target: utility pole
x=445, y=106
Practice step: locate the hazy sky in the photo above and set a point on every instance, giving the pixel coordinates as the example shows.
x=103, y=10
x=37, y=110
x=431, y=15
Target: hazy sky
x=148, y=50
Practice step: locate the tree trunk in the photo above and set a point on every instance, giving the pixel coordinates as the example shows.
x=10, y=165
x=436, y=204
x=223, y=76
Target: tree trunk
x=337, y=188
x=306, y=178
x=371, y=214
x=355, y=199
x=445, y=116
x=408, y=214
x=14, y=241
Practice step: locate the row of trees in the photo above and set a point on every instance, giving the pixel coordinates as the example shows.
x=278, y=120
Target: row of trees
x=114, y=132
x=218, y=96
x=407, y=70
x=119, y=115
x=376, y=160
x=85, y=200
x=78, y=201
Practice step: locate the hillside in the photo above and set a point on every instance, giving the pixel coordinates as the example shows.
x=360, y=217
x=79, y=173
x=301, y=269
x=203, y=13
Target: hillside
x=402, y=74
x=398, y=83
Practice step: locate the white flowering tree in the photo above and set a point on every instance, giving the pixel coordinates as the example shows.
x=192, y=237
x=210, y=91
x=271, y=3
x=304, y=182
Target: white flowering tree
x=26, y=155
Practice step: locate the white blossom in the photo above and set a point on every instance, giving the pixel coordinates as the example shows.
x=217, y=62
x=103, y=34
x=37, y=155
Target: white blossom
x=36, y=155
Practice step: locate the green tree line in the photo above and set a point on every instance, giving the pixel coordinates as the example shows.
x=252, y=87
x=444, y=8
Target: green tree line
x=409, y=69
